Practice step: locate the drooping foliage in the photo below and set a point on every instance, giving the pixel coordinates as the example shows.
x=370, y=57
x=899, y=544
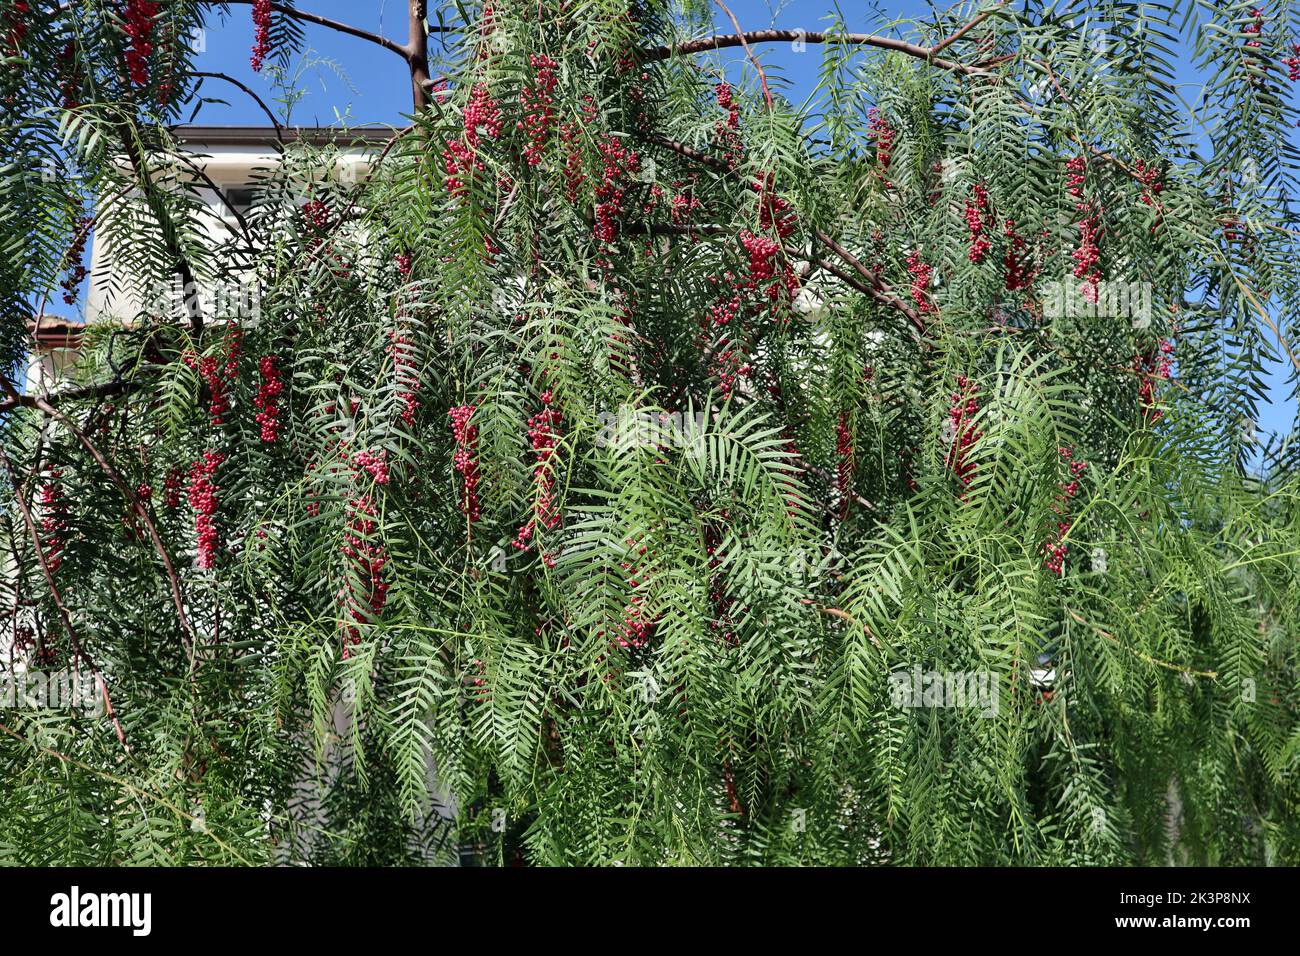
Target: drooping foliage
x=597, y=473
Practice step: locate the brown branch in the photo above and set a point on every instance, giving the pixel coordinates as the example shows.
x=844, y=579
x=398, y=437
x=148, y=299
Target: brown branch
x=105, y=390
x=943, y=44
x=279, y=130
x=762, y=77
x=417, y=55
x=723, y=41
x=391, y=45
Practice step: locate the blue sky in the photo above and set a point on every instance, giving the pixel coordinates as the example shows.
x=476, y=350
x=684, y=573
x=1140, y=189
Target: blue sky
x=347, y=80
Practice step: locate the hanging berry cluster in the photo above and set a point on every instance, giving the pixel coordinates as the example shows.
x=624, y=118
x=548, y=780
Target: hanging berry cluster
x=482, y=118
x=316, y=214
x=1056, y=547
x=922, y=274
x=619, y=163
x=465, y=460
x=543, y=432
x=1017, y=265
x=219, y=373
x=1293, y=63
x=54, y=523
x=726, y=132
x=202, y=494
x=17, y=32
x=845, y=467
x=883, y=132
x=172, y=488
x=963, y=408
x=373, y=463
x=368, y=559
x=77, y=272
x=637, y=627
x=69, y=80
x=140, y=15
x=268, y=394
x=1088, y=255
x=261, y=34
x=1152, y=367
x=977, y=211
x=538, y=104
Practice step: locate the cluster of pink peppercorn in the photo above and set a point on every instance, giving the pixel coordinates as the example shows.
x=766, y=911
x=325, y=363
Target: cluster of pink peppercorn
x=1056, y=547
x=202, y=494
x=261, y=33
x=267, y=399
x=536, y=100
x=54, y=525
x=465, y=460
x=543, y=433
x=140, y=15
x=977, y=209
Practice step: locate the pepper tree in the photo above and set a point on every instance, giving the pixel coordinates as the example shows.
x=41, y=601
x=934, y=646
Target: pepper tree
x=605, y=458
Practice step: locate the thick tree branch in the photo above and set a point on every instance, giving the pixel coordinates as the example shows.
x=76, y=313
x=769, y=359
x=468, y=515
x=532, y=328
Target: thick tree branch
x=303, y=15
x=105, y=390
x=723, y=41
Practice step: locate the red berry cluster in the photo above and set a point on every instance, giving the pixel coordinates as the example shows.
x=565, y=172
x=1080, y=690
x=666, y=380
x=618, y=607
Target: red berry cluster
x=1019, y=267
x=172, y=488
x=1074, y=176
x=921, y=273
x=217, y=373
x=374, y=463
x=1149, y=176
x=18, y=16
x=637, y=627
x=261, y=33
x=54, y=523
x=1293, y=63
x=538, y=106
x=1255, y=27
x=202, y=494
x=977, y=211
x=727, y=132
x=731, y=366
x=1055, y=548
x=963, y=408
x=1088, y=256
x=403, y=263
x=369, y=559
x=543, y=432
x=1152, y=367
x=482, y=117
x=268, y=393
x=884, y=133
x=465, y=460
x=77, y=273
x=845, y=468
x=618, y=163
x=140, y=15
x=317, y=214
